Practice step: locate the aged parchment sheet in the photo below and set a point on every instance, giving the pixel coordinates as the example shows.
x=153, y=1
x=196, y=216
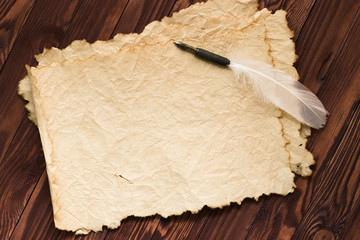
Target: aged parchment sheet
x=134, y=126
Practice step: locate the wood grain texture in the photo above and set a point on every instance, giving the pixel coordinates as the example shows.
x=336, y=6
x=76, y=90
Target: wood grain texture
x=179, y=227
x=15, y=129
x=352, y=229
x=316, y=58
x=220, y=224
x=13, y=14
x=39, y=31
x=37, y=219
x=334, y=199
x=324, y=206
x=76, y=30
x=332, y=91
x=297, y=11
x=94, y=20
x=19, y=172
x=141, y=12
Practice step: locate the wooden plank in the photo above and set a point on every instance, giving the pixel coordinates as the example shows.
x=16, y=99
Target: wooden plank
x=13, y=14
x=181, y=4
x=37, y=220
x=274, y=5
x=278, y=215
x=104, y=15
x=352, y=227
x=15, y=168
x=201, y=220
x=135, y=228
x=339, y=97
x=145, y=227
x=339, y=91
x=316, y=58
x=19, y=172
x=176, y=227
x=124, y=231
x=231, y=222
x=337, y=194
x=39, y=31
x=297, y=11
x=281, y=218
x=139, y=13
x=95, y=20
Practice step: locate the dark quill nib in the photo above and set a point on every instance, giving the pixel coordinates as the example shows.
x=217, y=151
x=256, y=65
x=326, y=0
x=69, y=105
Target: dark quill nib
x=185, y=47
x=204, y=54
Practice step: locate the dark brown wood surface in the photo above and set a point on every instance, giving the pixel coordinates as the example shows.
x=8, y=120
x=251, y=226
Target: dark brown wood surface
x=323, y=206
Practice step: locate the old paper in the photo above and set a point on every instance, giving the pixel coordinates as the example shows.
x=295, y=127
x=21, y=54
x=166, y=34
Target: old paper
x=134, y=126
x=215, y=20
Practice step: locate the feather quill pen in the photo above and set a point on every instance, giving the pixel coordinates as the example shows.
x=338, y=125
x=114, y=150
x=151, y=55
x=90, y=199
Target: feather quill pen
x=272, y=86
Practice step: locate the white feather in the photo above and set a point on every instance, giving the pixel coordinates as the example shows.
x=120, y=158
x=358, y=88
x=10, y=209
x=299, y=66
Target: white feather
x=275, y=86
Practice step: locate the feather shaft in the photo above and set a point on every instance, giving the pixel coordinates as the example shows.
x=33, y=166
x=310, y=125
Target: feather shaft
x=272, y=86
x=275, y=86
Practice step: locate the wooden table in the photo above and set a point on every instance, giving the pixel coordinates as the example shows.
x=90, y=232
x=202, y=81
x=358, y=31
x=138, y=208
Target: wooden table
x=324, y=206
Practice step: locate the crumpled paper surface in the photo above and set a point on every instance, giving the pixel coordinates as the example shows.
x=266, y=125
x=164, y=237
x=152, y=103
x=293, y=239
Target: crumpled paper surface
x=134, y=126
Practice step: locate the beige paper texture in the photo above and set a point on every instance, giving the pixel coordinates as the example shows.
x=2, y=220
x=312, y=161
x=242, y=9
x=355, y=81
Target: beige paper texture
x=134, y=126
